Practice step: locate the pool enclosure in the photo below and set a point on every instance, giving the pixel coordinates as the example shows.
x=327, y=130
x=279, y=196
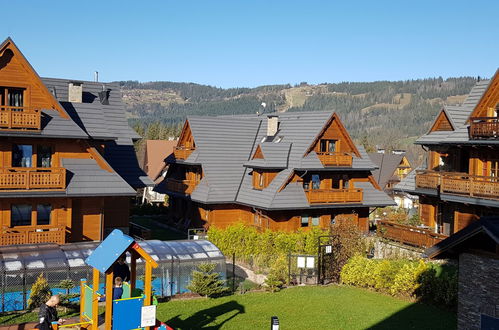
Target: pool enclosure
x=20, y=266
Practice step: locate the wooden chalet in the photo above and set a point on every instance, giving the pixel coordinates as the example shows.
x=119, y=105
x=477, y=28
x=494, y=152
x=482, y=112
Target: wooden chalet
x=281, y=171
x=460, y=183
x=67, y=163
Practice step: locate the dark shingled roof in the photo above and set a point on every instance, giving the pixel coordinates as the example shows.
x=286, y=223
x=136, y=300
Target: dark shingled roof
x=480, y=235
x=104, y=122
x=458, y=116
x=387, y=166
x=225, y=145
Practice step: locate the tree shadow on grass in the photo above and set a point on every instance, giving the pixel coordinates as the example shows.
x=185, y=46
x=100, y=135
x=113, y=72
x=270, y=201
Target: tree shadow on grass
x=203, y=318
x=418, y=316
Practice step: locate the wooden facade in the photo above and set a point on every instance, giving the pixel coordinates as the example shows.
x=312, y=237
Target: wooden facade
x=33, y=167
x=461, y=182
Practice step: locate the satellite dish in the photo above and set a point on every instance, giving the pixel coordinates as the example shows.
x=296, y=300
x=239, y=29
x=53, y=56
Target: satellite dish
x=264, y=104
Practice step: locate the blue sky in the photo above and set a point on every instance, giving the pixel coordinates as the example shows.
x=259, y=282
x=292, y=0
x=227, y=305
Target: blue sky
x=249, y=43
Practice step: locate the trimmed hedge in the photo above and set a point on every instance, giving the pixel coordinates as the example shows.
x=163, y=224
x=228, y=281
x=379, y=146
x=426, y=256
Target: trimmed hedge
x=417, y=279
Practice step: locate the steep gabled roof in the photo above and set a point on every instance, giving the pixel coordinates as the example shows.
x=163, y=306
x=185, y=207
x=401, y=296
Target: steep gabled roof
x=458, y=116
x=387, y=166
x=225, y=147
x=156, y=151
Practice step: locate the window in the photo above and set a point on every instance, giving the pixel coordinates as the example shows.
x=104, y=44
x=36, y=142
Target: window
x=260, y=181
x=20, y=215
x=316, y=181
x=346, y=182
x=12, y=97
x=304, y=220
x=43, y=212
x=315, y=221
x=333, y=220
x=21, y=155
x=335, y=182
x=328, y=146
x=44, y=156
x=494, y=168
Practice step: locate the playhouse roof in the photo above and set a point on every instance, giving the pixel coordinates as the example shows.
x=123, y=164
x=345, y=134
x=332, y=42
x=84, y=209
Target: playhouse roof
x=106, y=254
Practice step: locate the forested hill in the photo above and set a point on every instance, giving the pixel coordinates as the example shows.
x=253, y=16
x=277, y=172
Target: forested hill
x=387, y=113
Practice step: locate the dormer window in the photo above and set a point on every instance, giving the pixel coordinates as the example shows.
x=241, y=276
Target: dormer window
x=328, y=146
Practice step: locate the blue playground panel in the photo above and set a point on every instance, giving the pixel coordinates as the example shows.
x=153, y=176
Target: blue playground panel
x=126, y=313
x=105, y=255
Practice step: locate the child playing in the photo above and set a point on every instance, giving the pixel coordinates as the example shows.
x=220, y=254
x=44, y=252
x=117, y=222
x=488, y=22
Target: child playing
x=117, y=290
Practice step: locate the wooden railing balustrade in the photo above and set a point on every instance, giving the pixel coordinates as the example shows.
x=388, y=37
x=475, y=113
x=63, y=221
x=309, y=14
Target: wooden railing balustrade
x=33, y=235
x=32, y=178
x=19, y=118
x=182, y=152
x=484, y=128
x=335, y=159
x=181, y=186
x=459, y=184
x=332, y=196
x=410, y=235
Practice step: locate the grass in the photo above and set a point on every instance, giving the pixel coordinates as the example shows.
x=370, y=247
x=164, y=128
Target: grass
x=25, y=316
x=158, y=232
x=332, y=307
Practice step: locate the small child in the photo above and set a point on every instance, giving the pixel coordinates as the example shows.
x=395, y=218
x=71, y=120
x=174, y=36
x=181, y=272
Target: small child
x=117, y=290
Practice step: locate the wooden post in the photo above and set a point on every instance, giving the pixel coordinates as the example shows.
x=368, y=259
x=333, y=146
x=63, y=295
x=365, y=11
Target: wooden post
x=82, y=298
x=95, y=299
x=148, y=284
x=109, y=300
x=133, y=271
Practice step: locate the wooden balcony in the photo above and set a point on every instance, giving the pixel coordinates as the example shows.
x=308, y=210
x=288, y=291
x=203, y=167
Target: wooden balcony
x=181, y=186
x=459, y=184
x=182, y=152
x=427, y=179
x=30, y=178
x=335, y=159
x=409, y=235
x=19, y=118
x=484, y=128
x=334, y=196
x=33, y=235
x=470, y=185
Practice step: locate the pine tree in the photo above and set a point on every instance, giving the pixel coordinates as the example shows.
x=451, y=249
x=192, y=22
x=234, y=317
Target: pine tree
x=40, y=292
x=206, y=282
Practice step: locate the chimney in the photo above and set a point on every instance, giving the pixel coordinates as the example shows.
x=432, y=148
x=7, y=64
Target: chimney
x=96, y=76
x=104, y=96
x=75, y=92
x=272, y=125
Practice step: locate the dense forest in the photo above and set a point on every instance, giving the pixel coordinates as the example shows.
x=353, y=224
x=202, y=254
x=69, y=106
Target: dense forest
x=391, y=114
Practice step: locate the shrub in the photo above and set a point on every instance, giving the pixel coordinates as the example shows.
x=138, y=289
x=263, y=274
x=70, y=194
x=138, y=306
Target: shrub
x=406, y=281
x=40, y=292
x=273, y=283
x=207, y=282
x=418, y=279
x=346, y=241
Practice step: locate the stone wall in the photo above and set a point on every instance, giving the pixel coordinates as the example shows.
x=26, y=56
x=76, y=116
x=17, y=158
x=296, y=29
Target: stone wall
x=478, y=291
x=390, y=250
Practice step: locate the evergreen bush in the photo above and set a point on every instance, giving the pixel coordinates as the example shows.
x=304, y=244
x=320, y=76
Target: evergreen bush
x=40, y=292
x=206, y=282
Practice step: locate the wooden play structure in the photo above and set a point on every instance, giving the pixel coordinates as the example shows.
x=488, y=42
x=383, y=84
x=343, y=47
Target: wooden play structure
x=121, y=314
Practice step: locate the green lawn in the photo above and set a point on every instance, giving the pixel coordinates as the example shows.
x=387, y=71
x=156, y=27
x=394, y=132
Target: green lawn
x=329, y=307
x=158, y=232
x=332, y=307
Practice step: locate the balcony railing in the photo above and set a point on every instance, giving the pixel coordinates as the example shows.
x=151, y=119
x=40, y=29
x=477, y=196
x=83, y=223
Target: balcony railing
x=459, y=184
x=29, y=178
x=334, y=196
x=19, y=118
x=33, y=235
x=409, y=235
x=181, y=186
x=182, y=152
x=335, y=159
x=484, y=128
